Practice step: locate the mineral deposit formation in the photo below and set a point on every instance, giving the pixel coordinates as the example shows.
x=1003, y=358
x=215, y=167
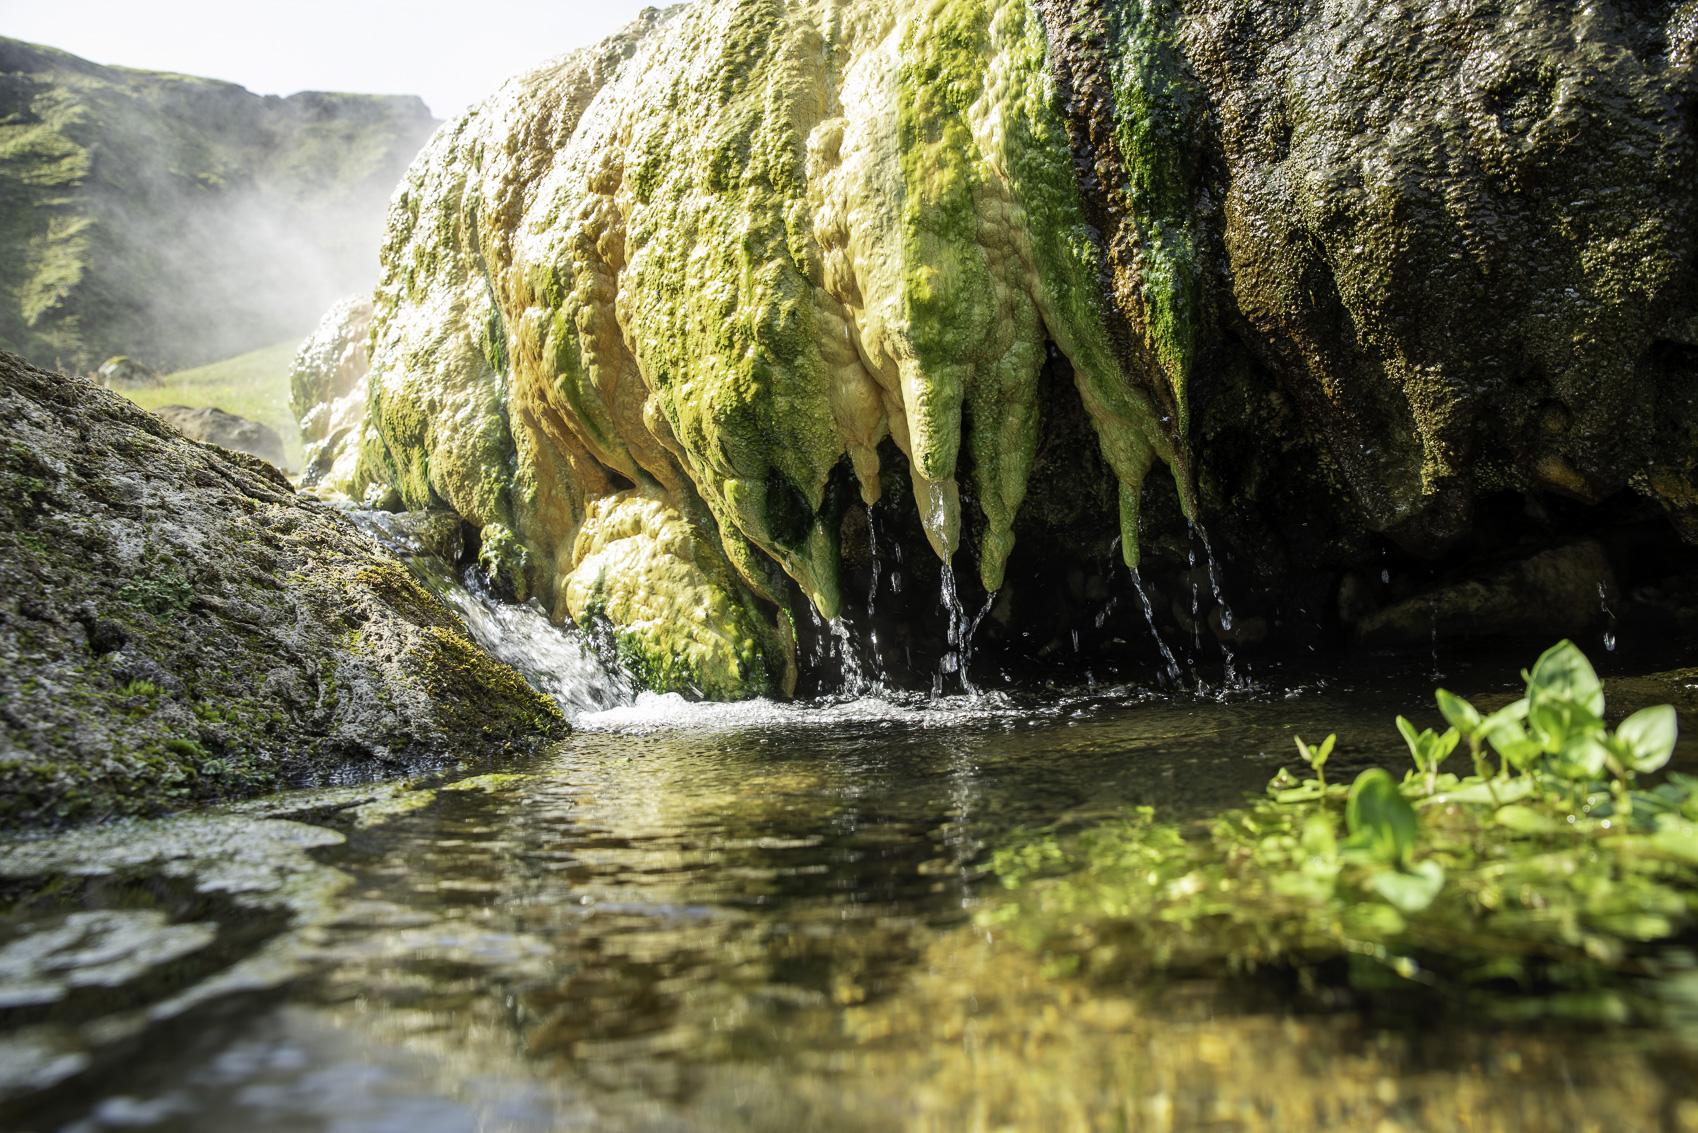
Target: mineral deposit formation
x=654, y=315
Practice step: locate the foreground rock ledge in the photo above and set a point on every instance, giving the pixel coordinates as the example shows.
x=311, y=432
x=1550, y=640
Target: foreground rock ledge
x=177, y=625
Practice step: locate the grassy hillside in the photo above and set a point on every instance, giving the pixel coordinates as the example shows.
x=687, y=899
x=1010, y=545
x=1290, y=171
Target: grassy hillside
x=253, y=385
x=177, y=219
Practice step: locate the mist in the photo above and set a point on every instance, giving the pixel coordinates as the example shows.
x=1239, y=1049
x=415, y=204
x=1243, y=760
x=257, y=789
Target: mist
x=181, y=220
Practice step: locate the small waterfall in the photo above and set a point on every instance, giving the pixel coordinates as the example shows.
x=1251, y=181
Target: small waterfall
x=857, y=681
x=961, y=630
x=1609, y=614
x=556, y=661
x=1150, y=617
x=1231, y=681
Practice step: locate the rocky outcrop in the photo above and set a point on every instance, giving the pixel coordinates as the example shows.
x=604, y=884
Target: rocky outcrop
x=1344, y=271
x=176, y=624
x=182, y=220
x=327, y=394
x=122, y=372
x=226, y=430
x=1566, y=590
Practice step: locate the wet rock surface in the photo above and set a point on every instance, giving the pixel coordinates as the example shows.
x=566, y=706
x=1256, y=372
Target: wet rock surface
x=177, y=625
x=1346, y=278
x=226, y=430
x=327, y=393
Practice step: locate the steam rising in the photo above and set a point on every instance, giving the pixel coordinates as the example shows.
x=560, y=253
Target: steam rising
x=182, y=220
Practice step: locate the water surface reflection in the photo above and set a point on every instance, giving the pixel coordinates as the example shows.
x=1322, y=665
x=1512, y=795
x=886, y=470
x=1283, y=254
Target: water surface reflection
x=760, y=918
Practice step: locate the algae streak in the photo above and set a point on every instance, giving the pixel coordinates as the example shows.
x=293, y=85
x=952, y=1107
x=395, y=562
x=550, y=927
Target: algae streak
x=712, y=264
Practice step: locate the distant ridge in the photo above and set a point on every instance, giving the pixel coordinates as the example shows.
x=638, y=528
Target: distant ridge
x=179, y=219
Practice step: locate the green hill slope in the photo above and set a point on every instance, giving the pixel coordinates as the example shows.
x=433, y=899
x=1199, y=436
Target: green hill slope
x=182, y=220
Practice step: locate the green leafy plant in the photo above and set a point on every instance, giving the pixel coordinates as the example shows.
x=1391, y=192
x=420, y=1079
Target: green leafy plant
x=1555, y=736
x=1533, y=887
x=1428, y=748
x=1316, y=757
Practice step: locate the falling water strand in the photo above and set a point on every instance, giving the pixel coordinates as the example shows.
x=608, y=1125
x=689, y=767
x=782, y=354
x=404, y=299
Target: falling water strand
x=823, y=641
x=1220, y=602
x=1196, y=606
x=967, y=685
x=1150, y=617
x=856, y=679
x=960, y=653
x=1436, y=673
x=1609, y=629
x=872, y=551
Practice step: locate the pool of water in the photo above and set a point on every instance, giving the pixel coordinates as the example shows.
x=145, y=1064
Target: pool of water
x=748, y=917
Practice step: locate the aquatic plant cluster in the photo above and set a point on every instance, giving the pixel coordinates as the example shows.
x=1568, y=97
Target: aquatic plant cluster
x=1551, y=883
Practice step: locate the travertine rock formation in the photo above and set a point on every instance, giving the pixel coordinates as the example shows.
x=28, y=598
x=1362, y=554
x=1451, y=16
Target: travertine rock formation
x=327, y=394
x=1354, y=264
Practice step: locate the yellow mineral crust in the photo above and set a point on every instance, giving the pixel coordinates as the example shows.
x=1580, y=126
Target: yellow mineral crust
x=713, y=259
x=648, y=571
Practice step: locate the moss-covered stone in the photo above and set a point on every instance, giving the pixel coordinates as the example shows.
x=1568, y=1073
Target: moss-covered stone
x=176, y=625
x=1319, y=261
x=716, y=256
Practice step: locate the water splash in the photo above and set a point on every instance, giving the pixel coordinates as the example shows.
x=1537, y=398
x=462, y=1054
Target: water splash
x=557, y=661
x=1150, y=617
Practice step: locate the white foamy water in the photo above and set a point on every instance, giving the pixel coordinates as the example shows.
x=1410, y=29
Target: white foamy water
x=652, y=712
x=557, y=661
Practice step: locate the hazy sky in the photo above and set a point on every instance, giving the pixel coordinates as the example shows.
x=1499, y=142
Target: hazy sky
x=449, y=52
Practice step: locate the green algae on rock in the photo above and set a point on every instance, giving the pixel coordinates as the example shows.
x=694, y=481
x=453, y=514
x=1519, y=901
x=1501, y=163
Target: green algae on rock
x=179, y=626
x=721, y=258
x=843, y=226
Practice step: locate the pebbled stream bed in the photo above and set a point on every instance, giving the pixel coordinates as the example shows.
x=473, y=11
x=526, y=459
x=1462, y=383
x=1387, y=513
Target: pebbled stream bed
x=745, y=917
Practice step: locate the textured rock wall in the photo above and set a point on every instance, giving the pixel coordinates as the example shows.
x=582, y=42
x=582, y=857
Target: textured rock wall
x=1355, y=264
x=177, y=625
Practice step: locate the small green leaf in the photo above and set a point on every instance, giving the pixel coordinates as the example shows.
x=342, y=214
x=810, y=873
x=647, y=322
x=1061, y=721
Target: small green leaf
x=1557, y=723
x=1315, y=757
x=1411, y=890
x=1647, y=738
x=1458, y=713
x=1581, y=760
x=1442, y=746
x=1510, y=740
x=1525, y=820
x=1563, y=673
x=1382, y=822
x=1414, y=741
x=1511, y=713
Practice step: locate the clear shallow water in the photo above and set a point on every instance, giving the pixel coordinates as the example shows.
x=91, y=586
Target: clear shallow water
x=747, y=917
